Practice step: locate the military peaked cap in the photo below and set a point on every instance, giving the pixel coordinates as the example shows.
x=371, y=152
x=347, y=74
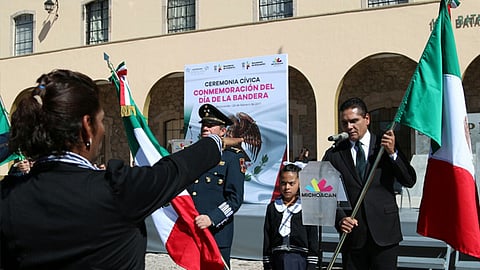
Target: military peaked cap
x=211, y=115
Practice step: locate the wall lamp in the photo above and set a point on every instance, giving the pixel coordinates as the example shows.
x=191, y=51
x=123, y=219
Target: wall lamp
x=49, y=6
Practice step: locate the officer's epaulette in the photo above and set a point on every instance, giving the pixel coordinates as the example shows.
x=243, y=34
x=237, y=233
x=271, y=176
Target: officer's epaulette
x=234, y=149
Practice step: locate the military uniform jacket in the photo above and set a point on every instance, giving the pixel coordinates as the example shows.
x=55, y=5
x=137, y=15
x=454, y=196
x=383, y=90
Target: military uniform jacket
x=61, y=216
x=379, y=211
x=218, y=193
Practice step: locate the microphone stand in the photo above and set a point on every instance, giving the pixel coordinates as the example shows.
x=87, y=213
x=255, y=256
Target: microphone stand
x=360, y=200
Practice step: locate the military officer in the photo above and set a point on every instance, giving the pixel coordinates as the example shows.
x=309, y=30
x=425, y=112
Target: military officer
x=218, y=193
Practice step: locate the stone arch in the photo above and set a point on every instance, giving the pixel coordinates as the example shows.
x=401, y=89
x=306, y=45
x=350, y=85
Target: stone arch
x=381, y=80
x=302, y=114
x=471, y=86
x=115, y=143
x=165, y=108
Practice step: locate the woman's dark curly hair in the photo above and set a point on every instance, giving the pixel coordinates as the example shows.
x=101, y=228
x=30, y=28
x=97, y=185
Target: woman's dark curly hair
x=50, y=119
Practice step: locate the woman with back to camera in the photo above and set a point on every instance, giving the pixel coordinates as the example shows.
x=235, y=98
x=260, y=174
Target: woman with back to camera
x=67, y=214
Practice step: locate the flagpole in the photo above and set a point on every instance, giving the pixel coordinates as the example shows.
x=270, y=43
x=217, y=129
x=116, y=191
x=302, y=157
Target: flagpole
x=360, y=200
x=225, y=264
x=106, y=57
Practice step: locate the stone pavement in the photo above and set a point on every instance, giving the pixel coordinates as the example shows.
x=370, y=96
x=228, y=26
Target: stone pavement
x=159, y=261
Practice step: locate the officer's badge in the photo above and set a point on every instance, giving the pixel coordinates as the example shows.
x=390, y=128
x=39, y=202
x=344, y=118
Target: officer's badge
x=222, y=163
x=243, y=166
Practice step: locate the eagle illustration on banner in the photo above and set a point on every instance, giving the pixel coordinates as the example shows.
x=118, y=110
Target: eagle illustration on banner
x=244, y=126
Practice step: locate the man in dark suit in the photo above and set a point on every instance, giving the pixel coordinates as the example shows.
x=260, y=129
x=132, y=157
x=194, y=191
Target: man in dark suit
x=374, y=233
x=218, y=193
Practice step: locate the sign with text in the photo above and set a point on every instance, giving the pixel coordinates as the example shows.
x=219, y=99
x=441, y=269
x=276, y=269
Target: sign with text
x=320, y=190
x=253, y=92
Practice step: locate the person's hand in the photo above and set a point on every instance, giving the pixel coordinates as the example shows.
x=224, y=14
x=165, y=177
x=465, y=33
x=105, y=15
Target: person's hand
x=24, y=166
x=347, y=224
x=203, y=221
x=388, y=141
x=227, y=141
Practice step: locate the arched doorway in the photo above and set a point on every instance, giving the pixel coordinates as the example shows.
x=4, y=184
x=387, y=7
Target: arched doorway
x=302, y=114
x=381, y=80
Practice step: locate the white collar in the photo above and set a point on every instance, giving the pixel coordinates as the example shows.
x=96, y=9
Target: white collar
x=365, y=140
x=294, y=208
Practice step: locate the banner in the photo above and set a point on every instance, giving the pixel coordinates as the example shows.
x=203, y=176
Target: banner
x=253, y=92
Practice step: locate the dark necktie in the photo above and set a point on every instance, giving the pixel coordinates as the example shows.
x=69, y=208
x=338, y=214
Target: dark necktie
x=361, y=162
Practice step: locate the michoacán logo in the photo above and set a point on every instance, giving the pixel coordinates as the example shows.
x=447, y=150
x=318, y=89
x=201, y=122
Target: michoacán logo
x=316, y=186
x=318, y=189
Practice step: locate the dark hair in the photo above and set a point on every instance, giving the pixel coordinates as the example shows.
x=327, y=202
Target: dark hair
x=50, y=119
x=354, y=103
x=291, y=168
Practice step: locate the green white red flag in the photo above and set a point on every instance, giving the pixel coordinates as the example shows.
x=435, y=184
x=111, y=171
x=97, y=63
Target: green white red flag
x=187, y=245
x=5, y=154
x=434, y=104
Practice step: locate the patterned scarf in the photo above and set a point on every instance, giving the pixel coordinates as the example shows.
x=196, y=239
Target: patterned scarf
x=70, y=158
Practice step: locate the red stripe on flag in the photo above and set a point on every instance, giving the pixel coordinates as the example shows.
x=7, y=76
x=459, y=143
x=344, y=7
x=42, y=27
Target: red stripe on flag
x=121, y=73
x=449, y=203
x=189, y=246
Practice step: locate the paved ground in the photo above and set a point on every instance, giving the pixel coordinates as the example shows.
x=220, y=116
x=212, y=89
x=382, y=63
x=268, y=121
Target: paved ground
x=155, y=261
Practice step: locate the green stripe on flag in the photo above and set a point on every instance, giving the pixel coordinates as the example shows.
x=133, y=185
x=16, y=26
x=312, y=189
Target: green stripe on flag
x=4, y=135
x=136, y=127
x=421, y=107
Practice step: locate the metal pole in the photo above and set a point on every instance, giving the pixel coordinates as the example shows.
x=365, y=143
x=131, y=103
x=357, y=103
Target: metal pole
x=360, y=200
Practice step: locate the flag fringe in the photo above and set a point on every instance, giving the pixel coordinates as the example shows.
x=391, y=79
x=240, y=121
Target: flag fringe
x=127, y=110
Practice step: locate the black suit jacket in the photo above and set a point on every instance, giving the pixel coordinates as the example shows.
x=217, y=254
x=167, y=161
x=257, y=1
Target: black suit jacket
x=378, y=213
x=61, y=216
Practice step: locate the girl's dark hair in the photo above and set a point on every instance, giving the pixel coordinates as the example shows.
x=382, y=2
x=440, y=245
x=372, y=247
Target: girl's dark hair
x=50, y=119
x=291, y=168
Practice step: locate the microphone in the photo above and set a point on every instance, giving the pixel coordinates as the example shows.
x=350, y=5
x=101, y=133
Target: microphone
x=338, y=137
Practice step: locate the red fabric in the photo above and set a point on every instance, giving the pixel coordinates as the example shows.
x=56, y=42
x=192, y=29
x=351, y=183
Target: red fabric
x=120, y=73
x=449, y=210
x=189, y=246
x=276, y=191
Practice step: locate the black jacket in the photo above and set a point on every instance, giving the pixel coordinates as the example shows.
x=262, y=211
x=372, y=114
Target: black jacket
x=379, y=211
x=303, y=238
x=61, y=216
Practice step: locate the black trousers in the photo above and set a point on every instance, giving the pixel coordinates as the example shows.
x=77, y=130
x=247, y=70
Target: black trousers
x=371, y=257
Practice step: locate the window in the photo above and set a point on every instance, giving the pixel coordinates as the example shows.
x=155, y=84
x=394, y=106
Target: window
x=378, y=3
x=180, y=15
x=96, y=22
x=23, y=34
x=275, y=9
x=173, y=130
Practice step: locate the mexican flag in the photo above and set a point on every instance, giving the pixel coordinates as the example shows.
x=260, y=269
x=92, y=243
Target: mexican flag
x=434, y=104
x=187, y=245
x=5, y=154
